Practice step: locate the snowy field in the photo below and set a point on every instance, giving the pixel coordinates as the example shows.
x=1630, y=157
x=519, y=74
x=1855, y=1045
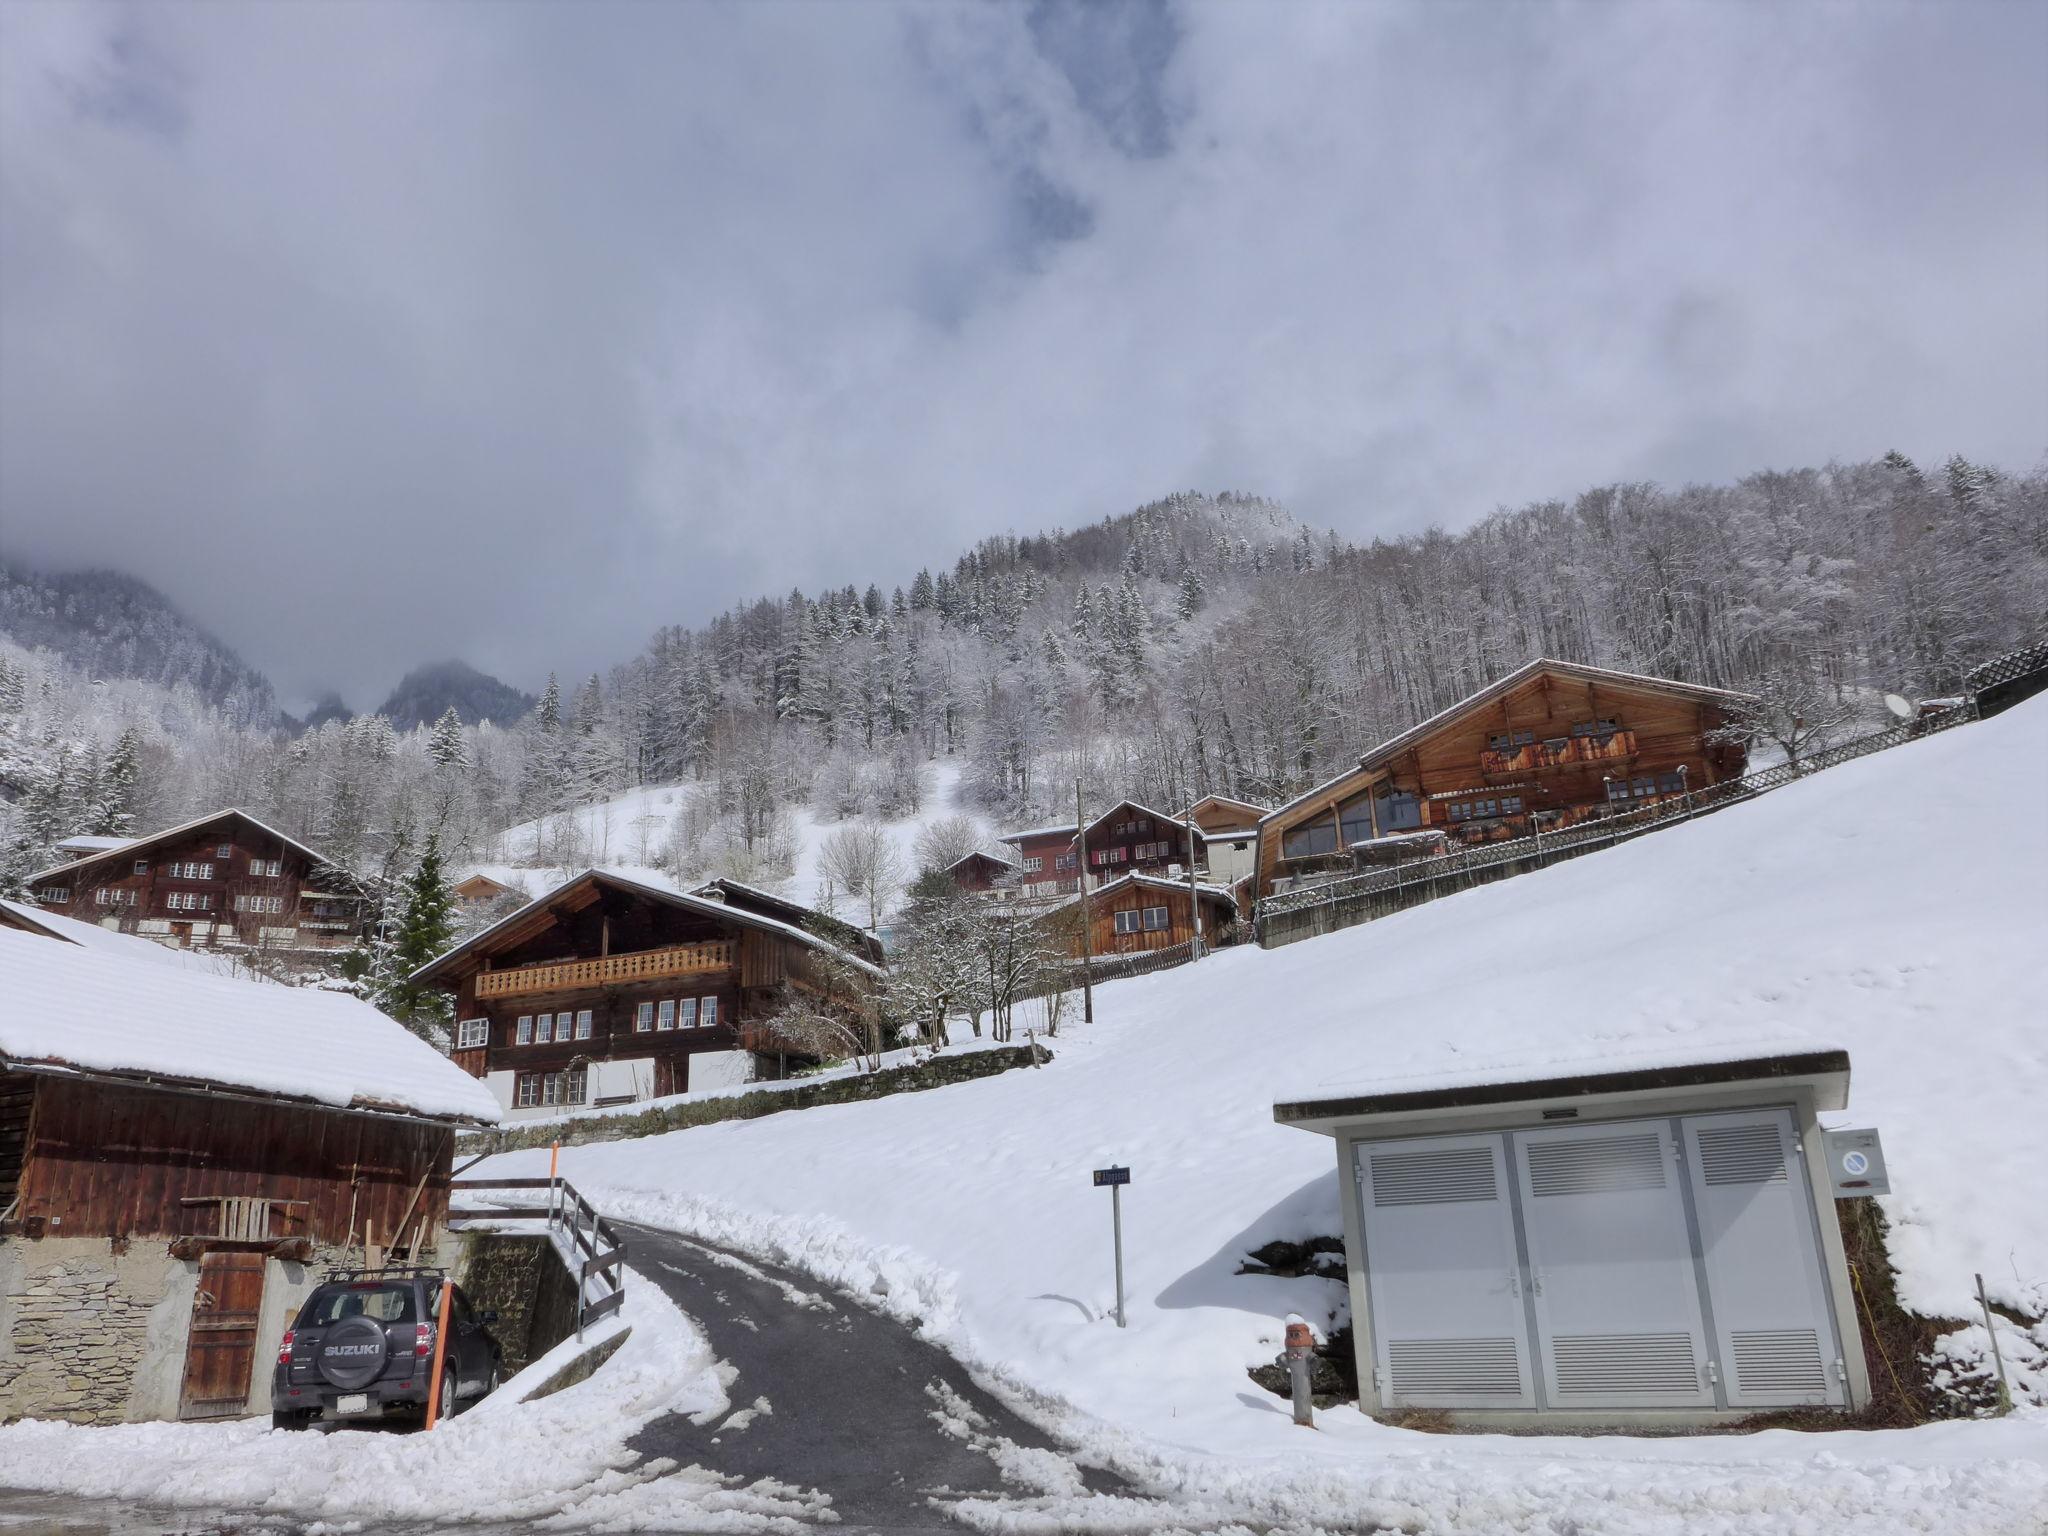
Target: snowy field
x=560, y=1461
x=629, y=832
x=1894, y=905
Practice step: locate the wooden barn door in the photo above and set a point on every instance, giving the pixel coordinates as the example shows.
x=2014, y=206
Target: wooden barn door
x=220, y=1352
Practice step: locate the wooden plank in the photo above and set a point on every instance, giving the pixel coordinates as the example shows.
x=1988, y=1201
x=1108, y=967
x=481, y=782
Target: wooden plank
x=598, y=1309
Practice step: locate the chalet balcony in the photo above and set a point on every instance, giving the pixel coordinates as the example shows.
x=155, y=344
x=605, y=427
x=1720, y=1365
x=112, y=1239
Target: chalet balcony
x=611, y=970
x=1558, y=752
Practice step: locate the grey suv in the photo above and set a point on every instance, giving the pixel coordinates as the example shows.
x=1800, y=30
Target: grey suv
x=363, y=1345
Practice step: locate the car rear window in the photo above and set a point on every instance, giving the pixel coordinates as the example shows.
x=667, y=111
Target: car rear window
x=380, y=1303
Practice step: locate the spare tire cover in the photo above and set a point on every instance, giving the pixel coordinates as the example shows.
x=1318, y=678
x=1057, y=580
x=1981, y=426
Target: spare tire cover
x=351, y=1353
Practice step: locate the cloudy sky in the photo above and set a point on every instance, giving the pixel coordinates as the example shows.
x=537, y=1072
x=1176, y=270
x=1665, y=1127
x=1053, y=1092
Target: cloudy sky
x=377, y=334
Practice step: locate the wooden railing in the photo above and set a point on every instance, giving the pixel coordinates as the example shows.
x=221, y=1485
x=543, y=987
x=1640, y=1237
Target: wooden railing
x=611, y=971
x=593, y=1251
x=1558, y=752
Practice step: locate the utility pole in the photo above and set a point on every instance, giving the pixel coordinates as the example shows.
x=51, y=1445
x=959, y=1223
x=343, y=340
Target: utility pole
x=1194, y=896
x=1087, y=923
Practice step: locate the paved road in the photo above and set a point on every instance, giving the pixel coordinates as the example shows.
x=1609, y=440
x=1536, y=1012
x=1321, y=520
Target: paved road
x=892, y=1428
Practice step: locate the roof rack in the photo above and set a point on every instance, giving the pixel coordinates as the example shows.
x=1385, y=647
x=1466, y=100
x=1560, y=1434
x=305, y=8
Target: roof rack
x=387, y=1272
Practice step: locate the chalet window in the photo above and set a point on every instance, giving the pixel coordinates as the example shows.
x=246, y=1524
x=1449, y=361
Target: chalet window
x=1307, y=842
x=1110, y=855
x=1035, y=863
x=543, y=1028
x=1399, y=812
x=55, y=895
x=1671, y=783
x=224, y=851
x=190, y=901
x=559, y=1087
x=472, y=1033
x=1155, y=919
x=1511, y=805
x=529, y=1089
x=689, y=1013
x=1063, y=861
x=583, y=1022
x=113, y=896
x=1354, y=816
x=525, y=1034
x=142, y=866
x=259, y=903
x=643, y=1018
x=1129, y=922
x=708, y=1015
x=1509, y=741
x=1600, y=728
x=192, y=869
x=667, y=1017
x=266, y=867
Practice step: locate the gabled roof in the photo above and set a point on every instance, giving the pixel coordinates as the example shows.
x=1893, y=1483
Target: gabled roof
x=1135, y=805
x=1220, y=893
x=72, y=930
x=1017, y=837
x=738, y=894
x=1395, y=746
x=140, y=844
x=435, y=969
x=991, y=855
x=92, y=1010
x=1229, y=800
x=86, y=843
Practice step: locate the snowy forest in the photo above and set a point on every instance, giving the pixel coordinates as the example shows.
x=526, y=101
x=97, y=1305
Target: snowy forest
x=1200, y=643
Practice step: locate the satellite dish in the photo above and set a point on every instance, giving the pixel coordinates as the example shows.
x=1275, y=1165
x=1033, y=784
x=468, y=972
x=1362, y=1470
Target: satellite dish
x=1898, y=706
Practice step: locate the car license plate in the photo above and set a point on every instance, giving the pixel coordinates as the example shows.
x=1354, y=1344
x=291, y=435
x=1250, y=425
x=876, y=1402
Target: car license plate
x=354, y=1402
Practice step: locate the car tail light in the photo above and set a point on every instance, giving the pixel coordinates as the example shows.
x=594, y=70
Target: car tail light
x=423, y=1339
x=284, y=1347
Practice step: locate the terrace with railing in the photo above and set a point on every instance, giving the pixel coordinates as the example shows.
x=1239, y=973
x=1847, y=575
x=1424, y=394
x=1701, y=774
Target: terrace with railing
x=1559, y=752
x=610, y=970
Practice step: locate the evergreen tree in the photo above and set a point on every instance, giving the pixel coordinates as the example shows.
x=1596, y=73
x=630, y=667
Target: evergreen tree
x=424, y=929
x=446, y=745
x=120, y=787
x=923, y=595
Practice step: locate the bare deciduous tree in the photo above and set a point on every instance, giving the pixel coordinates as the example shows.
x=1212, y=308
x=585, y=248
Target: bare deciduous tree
x=861, y=858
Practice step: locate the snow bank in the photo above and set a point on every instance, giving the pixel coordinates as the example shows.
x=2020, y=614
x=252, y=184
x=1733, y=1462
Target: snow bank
x=1893, y=906
x=563, y=1458
x=98, y=1008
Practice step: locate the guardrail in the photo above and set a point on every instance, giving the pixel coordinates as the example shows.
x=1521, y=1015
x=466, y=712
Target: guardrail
x=594, y=1252
x=1352, y=899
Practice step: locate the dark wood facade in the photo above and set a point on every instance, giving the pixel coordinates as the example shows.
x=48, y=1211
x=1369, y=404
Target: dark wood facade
x=96, y=1158
x=1047, y=864
x=1220, y=813
x=632, y=972
x=225, y=881
x=1549, y=745
x=980, y=873
x=1132, y=838
x=1138, y=913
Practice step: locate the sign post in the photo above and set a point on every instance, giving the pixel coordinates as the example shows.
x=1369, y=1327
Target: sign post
x=1116, y=1179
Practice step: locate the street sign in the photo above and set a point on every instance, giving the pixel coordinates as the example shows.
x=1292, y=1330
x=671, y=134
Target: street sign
x=1855, y=1163
x=1115, y=1179
x=1112, y=1176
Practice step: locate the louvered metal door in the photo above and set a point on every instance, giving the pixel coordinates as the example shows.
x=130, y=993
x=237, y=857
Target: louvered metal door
x=1772, y=1322
x=1449, y=1329
x=1616, y=1296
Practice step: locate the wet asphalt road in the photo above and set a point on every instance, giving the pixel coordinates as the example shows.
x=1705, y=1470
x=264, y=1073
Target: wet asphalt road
x=855, y=1400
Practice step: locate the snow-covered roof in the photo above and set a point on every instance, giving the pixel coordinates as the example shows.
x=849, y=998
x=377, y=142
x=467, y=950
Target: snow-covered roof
x=665, y=894
x=1018, y=837
x=18, y=914
x=1618, y=1066
x=1136, y=805
x=1001, y=856
x=1157, y=882
x=138, y=843
x=92, y=843
x=90, y=1008
x=1395, y=746
x=1256, y=809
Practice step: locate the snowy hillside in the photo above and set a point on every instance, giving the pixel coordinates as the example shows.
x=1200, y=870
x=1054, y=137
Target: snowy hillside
x=632, y=833
x=1894, y=906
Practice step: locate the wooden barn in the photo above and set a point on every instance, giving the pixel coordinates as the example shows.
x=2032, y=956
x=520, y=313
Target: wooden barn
x=1550, y=744
x=982, y=873
x=181, y=1153
x=1139, y=913
x=607, y=990
x=224, y=881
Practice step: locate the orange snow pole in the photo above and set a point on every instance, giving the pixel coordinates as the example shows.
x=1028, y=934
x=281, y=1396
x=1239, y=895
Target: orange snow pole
x=434, y=1403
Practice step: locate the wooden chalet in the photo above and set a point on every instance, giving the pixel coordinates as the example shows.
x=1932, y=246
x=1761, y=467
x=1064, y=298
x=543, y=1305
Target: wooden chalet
x=1550, y=744
x=1220, y=813
x=224, y=881
x=1047, y=864
x=181, y=1154
x=1137, y=913
x=1132, y=837
x=984, y=873
x=607, y=990
x=478, y=892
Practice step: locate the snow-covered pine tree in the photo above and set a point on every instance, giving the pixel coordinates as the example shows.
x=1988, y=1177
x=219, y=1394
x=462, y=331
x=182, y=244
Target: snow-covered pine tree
x=422, y=930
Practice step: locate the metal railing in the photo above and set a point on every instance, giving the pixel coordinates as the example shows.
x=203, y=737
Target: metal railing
x=611, y=970
x=1451, y=870
x=593, y=1251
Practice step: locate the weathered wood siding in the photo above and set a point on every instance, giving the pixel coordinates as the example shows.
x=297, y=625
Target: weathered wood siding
x=111, y=1161
x=1102, y=910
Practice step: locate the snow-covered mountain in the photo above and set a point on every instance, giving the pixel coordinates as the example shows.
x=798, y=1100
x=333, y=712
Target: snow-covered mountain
x=425, y=693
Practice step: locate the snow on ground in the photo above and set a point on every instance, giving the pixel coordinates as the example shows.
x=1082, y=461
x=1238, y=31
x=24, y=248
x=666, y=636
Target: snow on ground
x=560, y=1461
x=108, y=1007
x=1894, y=905
x=630, y=831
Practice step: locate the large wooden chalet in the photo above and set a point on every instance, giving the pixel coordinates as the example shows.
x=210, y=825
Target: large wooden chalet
x=1137, y=913
x=224, y=881
x=1550, y=744
x=607, y=990
x=182, y=1156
